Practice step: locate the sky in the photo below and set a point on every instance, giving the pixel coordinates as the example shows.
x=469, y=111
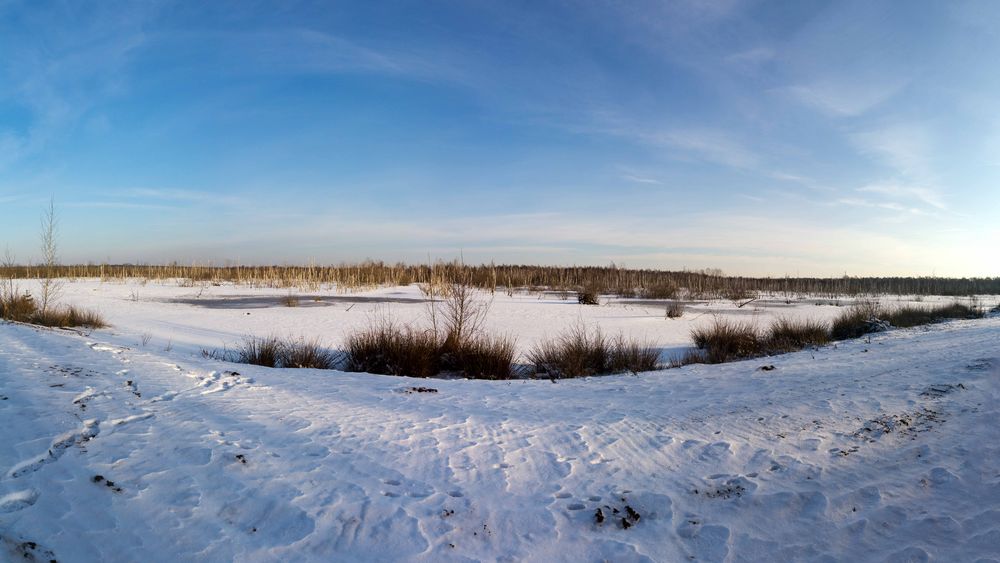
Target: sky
x=762, y=138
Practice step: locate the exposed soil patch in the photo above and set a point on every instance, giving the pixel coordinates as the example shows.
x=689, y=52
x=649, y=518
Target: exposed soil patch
x=27, y=550
x=905, y=424
x=100, y=480
x=980, y=364
x=621, y=515
x=940, y=390
x=412, y=390
x=71, y=371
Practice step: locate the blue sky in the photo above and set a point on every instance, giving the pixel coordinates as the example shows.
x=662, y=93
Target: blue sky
x=799, y=138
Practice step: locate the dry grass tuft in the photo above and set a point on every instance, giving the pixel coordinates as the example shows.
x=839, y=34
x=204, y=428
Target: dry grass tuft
x=273, y=352
x=727, y=340
x=660, y=291
x=787, y=335
x=307, y=354
x=22, y=308
x=582, y=352
x=868, y=316
x=388, y=349
x=630, y=356
x=483, y=357
x=17, y=307
x=259, y=351
x=857, y=320
x=588, y=296
x=908, y=316
x=675, y=310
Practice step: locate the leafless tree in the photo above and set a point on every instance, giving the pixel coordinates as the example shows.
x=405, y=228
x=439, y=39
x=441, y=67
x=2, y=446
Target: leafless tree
x=9, y=289
x=51, y=287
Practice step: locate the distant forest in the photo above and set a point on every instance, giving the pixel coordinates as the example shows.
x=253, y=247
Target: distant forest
x=624, y=282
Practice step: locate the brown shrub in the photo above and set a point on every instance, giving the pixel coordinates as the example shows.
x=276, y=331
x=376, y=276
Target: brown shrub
x=660, y=291
x=18, y=307
x=727, y=340
x=786, y=335
x=583, y=352
x=857, y=320
x=588, y=296
x=675, y=310
x=307, y=354
x=264, y=351
x=388, y=349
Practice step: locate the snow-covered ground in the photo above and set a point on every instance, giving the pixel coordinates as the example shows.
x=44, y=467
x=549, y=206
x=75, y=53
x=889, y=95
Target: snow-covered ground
x=192, y=319
x=116, y=450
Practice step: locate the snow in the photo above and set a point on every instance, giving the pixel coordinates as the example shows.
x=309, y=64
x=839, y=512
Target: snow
x=885, y=450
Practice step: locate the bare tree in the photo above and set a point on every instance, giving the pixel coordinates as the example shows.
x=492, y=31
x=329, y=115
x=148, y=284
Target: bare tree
x=51, y=287
x=456, y=312
x=8, y=290
x=463, y=312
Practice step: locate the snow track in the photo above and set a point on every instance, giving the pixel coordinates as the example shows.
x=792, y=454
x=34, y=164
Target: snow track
x=877, y=451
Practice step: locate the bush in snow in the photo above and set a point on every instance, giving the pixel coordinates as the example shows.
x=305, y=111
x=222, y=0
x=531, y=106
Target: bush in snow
x=787, y=335
x=587, y=296
x=18, y=307
x=307, y=354
x=660, y=291
x=272, y=352
x=861, y=318
x=908, y=316
x=388, y=349
x=728, y=339
x=22, y=308
x=675, y=310
x=583, y=352
x=866, y=317
x=264, y=351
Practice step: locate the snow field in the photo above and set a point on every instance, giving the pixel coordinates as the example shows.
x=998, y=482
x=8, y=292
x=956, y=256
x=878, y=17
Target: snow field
x=880, y=451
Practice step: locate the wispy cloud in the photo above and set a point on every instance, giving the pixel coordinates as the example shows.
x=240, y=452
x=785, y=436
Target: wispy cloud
x=59, y=72
x=188, y=196
x=891, y=206
x=846, y=97
x=752, y=57
x=923, y=195
x=302, y=50
x=904, y=147
x=641, y=179
x=114, y=205
x=714, y=146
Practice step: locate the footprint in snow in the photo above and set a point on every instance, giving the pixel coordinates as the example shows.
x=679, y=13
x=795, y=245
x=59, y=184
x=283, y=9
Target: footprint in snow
x=168, y=396
x=57, y=448
x=17, y=501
